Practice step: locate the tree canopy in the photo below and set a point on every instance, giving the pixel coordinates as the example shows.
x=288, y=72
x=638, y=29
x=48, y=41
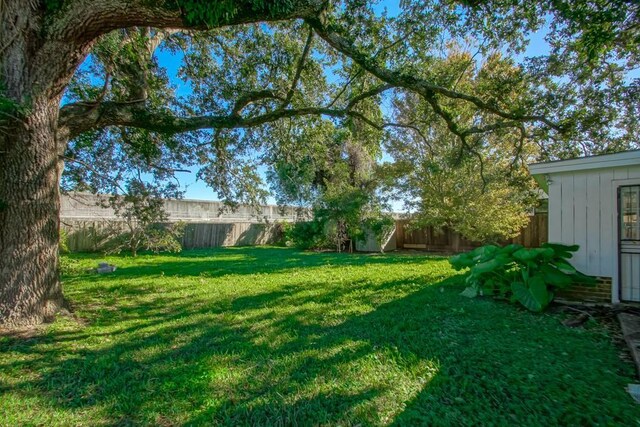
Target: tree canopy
x=255, y=85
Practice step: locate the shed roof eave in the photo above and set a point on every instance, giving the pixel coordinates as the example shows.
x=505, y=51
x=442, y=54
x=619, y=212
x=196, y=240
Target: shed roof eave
x=626, y=158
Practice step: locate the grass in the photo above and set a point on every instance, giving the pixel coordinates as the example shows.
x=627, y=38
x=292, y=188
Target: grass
x=271, y=336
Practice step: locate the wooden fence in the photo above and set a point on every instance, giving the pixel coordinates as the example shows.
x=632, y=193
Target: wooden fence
x=90, y=236
x=447, y=240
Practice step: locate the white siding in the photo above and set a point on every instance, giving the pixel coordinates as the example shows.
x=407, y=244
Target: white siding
x=567, y=206
x=608, y=225
x=593, y=243
x=582, y=211
x=555, y=211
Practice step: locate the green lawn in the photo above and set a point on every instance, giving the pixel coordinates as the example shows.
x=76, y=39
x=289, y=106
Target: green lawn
x=271, y=336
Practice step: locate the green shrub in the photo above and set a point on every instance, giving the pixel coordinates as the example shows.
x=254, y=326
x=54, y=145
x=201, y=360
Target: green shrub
x=157, y=237
x=306, y=235
x=528, y=276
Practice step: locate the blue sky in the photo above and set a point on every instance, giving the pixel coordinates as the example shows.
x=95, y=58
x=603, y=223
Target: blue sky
x=196, y=189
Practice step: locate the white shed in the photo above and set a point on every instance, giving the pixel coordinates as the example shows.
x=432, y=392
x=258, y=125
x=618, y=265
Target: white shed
x=594, y=202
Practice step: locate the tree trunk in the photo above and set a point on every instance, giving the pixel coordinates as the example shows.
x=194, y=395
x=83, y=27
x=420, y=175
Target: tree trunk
x=33, y=74
x=30, y=291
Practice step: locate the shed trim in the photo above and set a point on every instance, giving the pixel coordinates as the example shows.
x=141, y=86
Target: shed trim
x=540, y=171
x=626, y=158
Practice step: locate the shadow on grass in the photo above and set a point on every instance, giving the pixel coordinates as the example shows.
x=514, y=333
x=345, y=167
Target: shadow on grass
x=172, y=357
x=247, y=260
x=362, y=352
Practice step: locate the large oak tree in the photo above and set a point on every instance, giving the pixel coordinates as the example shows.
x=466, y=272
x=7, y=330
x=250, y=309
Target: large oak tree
x=254, y=65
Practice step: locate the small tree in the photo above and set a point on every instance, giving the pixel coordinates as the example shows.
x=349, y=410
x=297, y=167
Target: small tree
x=332, y=173
x=144, y=223
x=341, y=208
x=477, y=184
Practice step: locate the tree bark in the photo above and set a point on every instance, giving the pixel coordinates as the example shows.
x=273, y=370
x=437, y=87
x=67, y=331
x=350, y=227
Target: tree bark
x=30, y=291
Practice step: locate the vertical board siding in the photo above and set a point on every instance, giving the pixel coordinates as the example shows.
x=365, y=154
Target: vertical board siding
x=621, y=173
x=555, y=209
x=608, y=217
x=580, y=220
x=583, y=211
x=634, y=172
x=593, y=224
x=568, y=207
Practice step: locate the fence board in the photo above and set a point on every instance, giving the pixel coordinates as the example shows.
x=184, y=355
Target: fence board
x=446, y=240
x=88, y=236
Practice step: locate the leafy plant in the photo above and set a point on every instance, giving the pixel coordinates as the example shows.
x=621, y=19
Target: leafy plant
x=144, y=222
x=156, y=237
x=529, y=276
x=306, y=235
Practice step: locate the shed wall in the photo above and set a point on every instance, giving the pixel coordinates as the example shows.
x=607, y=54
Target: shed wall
x=582, y=211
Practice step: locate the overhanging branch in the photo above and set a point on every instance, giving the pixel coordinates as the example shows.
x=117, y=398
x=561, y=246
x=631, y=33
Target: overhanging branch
x=413, y=83
x=252, y=97
x=81, y=21
x=77, y=118
x=296, y=77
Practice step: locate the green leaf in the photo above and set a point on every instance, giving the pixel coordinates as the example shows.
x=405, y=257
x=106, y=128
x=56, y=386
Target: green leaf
x=483, y=253
x=535, y=297
x=538, y=289
x=531, y=254
x=461, y=261
x=489, y=283
x=560, y=247
x=509, y=249
x=560, y=250
x=490, y=266
x=555, y=277
x=564, y=266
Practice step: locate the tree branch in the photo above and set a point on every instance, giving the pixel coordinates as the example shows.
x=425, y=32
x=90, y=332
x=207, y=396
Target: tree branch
x=494, y=126
x=344, y=88
x=75, y=119
x=85, y=20
x=410, y=82
x=252, y=97
x=364, y=95
x=296, y=77
x=416, y=129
